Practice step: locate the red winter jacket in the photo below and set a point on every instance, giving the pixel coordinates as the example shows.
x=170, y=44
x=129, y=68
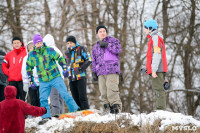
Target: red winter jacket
x=12, y=64
x=13, y=111
x=163, y=62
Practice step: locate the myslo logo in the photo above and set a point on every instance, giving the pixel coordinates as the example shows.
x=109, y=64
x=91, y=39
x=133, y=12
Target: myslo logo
x=184, y=128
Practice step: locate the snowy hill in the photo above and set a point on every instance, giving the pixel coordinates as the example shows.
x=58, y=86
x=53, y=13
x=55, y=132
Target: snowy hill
x=158, y=121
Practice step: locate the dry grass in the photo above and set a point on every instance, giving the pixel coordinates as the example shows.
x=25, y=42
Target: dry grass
x=120, y=125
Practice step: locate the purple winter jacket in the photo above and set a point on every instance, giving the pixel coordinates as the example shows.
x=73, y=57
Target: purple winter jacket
x=106, y=61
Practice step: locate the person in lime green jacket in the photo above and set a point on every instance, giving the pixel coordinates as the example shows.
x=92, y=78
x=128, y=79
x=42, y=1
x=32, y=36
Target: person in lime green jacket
x=44, y=58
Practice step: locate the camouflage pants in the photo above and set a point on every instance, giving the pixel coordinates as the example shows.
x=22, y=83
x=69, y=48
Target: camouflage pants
x=157, y=85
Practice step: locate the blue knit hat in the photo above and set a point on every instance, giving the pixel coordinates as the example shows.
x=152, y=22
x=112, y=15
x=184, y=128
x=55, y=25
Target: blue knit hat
x=151, y=24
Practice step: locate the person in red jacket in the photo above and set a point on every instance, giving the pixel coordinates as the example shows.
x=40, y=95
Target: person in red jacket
x=156, y=62
x=12, y=66
x=13, y=111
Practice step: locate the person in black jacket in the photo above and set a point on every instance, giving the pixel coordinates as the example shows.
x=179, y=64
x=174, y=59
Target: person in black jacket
x=3, y=77
x=78, y=59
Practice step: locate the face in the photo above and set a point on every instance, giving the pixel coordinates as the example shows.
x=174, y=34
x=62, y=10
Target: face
x=146, y=31
x=102, y=33
x=30, y=47
x=17, y=44
x=39, y=44
x=70, y=44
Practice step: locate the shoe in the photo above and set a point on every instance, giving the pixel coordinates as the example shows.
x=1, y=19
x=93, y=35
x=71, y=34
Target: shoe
x=107, y=109
x=115, y=109
x=43, y=121
x=26, y=116
x=56, y=116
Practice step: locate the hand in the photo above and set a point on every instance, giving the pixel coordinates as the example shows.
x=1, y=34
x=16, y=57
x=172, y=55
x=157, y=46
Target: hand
x=154, y=75
x=78, y=71
x=103, y=44
x=25, y=87
x=65, y=72
x=33, y=85
x=94, y=76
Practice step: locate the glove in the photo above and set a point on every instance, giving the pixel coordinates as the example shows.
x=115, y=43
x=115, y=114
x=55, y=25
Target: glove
x=65, y=72
x=94, y=76
x=78, y=71
x=33, y=85
x=103, y=44
x=143, y=70
x=166, y=85
x=25, y=87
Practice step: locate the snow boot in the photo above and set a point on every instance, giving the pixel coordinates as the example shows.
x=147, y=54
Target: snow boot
x=107, y=109
x=115, y=109
x=43, y=121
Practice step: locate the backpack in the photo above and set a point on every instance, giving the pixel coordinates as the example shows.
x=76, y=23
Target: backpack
x=3, y=77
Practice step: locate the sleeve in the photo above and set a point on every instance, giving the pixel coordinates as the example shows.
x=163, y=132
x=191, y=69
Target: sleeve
x=5, y=65
x=59, y=67
x=87, y=58
x=29, y=66
x=114, y=46
x=93, y=60
x=56, y=56
x=156, y=57
x=32, y=110
x=24, y=73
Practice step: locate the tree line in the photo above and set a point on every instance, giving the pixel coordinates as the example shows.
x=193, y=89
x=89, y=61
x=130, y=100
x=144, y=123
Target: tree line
x=178, y=21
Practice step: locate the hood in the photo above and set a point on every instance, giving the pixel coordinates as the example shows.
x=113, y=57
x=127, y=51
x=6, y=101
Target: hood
x=49, y=40
x=10, y=92
x=154, y=33
x=26, y=45
x=76, y=45
x=19, y=50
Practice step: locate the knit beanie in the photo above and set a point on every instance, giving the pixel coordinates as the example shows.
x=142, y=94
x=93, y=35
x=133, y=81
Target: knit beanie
x=37, y=38
x=99, y=27
x=71, y=39
x=16, y=38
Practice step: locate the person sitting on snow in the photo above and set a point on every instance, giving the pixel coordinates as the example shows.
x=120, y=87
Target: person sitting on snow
x=13, y=111
x=44, y=58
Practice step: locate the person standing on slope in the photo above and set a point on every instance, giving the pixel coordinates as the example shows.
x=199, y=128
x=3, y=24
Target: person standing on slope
x=106, y=69
x=156, y=62
x=44, y=58
x=12, y=66
x=78, y=60
x=57, y=103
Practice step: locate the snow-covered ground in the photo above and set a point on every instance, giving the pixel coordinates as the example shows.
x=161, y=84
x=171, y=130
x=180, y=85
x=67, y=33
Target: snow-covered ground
x=167, y=119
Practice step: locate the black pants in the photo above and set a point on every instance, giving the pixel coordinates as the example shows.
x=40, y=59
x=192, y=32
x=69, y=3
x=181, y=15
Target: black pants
x=34, y=96
x=20, y=92
x=2, y=92
x=79, y=93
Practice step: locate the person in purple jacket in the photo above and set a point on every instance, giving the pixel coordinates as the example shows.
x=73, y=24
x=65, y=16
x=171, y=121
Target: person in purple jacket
x=106, y=69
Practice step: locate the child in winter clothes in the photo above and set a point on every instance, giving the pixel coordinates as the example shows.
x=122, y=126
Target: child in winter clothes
x=106, y=69
x=57, y=103
x=13, y=111
x=44, y=58
x=12, y=66
x=156, y=62
x=78, y=60
x=32, y=91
